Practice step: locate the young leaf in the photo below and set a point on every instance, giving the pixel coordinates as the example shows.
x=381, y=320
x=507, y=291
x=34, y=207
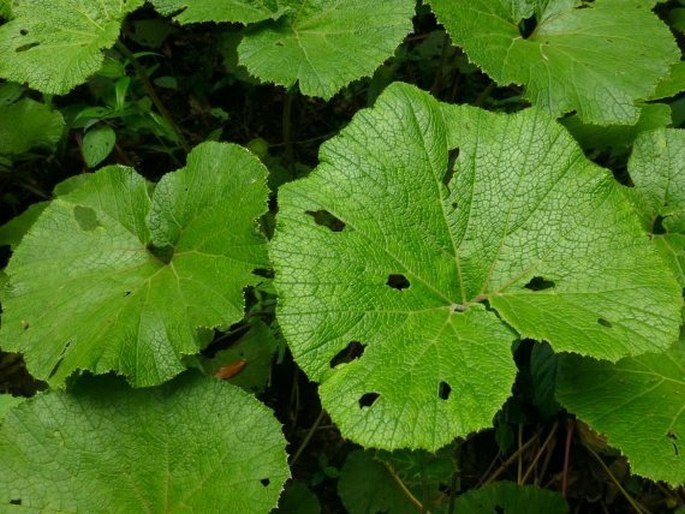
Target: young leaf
x=28, y=124
x=637, y=403
x=111, y=279
x=235, y=11
x=98, y=143
x=393, y=254
x=326, y=44
x=192, y=445
x=57, y=45
x=657, y=168
x=598, y=58
x=512, y=499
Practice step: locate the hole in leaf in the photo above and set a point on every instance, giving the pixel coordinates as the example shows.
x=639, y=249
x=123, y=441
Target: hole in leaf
x=263, y=272
x=279, y=43
x=60, y=360
x=585, y=4
x=24, y=48
x=604, y=322
x=162, y=253
x=527, y=27
x=673, y=437
x=127, y=293
x=23, y=32
x=15, y=502
x=265, y=482
x=658, y=226
x=398, y=281
x=351, y=352
x=368, y=399
x=455, y=205
x=444, y=390
x=449, y=173
x=86, y=218
x=539, y=284
x=326, y=219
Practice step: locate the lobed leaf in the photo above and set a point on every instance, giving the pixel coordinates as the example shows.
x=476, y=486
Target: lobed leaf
x=57, y=45
x=569, y=54
x=402, y=269
x=637, y=403
x=112, y=278
x=325, y=44
x=192, y=445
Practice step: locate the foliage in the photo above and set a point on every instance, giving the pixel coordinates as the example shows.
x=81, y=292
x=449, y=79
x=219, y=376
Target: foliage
x=439, y=246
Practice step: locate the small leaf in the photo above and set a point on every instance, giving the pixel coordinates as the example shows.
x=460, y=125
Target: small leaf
x=528, y=239
x=98, y=143
x=509, y=498
x=298, y=499
x=111, y=278
x=638, y=403
x=314, y=43
x=28, y=124
x=60, y=48
x=192, y=445
x=599, y=60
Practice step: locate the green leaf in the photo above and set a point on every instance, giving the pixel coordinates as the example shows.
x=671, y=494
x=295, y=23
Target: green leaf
x=7, y=402
x=28, y=124
x=192, y=445
x=657, y=168
x=597, y=58
x=98, y=143
x=394, y=286
x=326, y=44
x=256, y=349
x=298, y=499
x=673, y=83
x=57, y=45
x=512, y=499
x=235, y=11
x=618, y=137
x=111, y=278
x=12, y=232
x=637, y=403
x=366, y=487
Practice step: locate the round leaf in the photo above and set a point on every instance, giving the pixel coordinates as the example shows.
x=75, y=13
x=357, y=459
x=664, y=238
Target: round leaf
x=56, y=45
x=598, y=58
x=110, y=279
x=326, y=44
x=638, y=403
x=396, y=266
x=193, y=445
x=512, y=499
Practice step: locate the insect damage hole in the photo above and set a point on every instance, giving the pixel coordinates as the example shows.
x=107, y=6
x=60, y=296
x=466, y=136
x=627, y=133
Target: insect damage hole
x=351, y=352
x=326, y=219
x=368, y=399
x=398, y=281
x=451, y=162
x=527, y=27
x=539, y=284
x=605, y=322
x=265, y=482
x=444, y=390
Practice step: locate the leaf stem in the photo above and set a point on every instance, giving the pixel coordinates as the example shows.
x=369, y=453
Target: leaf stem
x=410, y=496
x=150, y=90
x=307, y=438
x=288, y=127
x=510, y=460
x=540, y=452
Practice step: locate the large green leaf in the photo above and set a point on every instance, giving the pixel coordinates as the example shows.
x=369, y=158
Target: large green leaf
x=375, y=254
x=238, y=11
x=193, y=445
x=56, y=45
x=325, y=44
x=638, y=403
x=509, y=498
x=597, y=58
x=28, y=124
x=110, y=278
x=657, y=168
